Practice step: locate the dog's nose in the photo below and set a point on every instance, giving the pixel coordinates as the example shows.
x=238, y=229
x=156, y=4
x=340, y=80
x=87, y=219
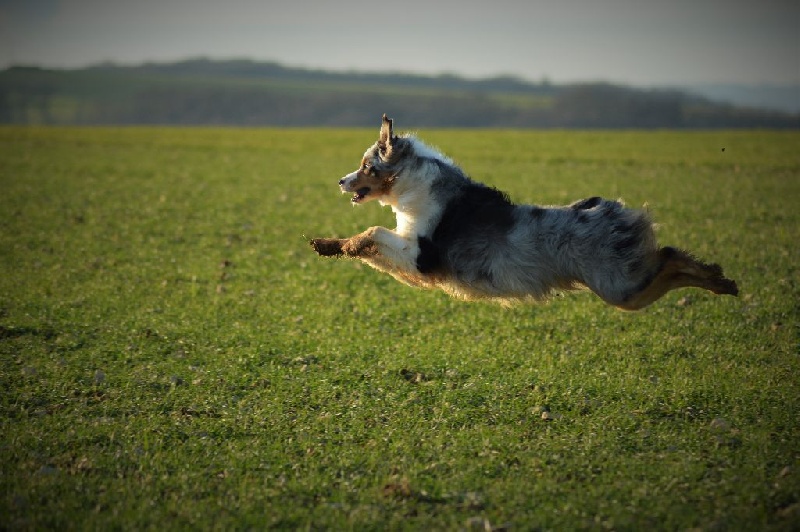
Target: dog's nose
x=341, y=182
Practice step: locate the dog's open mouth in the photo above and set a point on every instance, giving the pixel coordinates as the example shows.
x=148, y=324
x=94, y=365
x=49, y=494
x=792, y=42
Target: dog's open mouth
x=360, y=194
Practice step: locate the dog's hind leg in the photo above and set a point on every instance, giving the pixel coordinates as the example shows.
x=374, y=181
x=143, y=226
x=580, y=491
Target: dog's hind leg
x=678, y=269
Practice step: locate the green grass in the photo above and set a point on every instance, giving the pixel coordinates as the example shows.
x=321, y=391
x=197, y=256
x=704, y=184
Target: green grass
x=174, y=356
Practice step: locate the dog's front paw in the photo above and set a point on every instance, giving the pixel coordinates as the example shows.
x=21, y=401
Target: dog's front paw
x=327, y=247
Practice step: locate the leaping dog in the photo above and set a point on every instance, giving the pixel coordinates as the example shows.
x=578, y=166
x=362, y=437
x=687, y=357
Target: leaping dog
x=472, y=242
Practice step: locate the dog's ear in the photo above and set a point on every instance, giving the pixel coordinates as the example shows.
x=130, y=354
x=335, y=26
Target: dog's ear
x=387, y=138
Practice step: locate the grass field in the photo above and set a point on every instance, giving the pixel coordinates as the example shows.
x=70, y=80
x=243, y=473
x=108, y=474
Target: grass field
x=174, y=356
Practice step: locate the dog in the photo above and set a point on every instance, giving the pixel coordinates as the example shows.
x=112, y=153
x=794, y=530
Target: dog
x=471, y=241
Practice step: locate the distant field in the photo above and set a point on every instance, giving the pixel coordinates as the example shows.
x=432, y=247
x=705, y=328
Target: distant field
x=174, y=356
x=201, y=92
x=99, y=98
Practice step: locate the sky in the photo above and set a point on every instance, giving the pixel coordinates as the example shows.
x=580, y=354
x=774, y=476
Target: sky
x=636, y=42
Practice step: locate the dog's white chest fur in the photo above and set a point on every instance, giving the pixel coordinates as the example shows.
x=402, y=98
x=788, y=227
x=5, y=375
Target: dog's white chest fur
x=417, y=213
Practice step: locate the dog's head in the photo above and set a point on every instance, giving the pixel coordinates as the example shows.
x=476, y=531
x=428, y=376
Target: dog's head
x=376, y=176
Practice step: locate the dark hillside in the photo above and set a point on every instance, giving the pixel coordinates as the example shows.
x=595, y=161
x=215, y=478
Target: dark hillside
x=248, y=93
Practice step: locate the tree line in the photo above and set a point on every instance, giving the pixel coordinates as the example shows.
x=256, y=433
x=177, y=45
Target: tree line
x=248, y=93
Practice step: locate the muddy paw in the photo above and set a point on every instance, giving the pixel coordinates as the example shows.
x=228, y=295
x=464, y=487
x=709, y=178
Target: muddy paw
x=327, y=247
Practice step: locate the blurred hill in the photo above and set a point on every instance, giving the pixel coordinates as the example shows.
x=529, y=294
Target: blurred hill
x=784, y=98
x=248, y=93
